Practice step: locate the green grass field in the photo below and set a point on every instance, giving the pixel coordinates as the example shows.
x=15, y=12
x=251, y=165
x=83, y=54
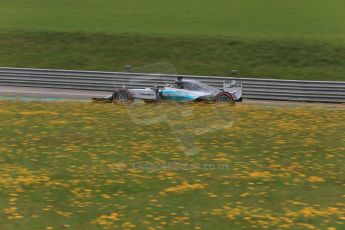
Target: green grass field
x=278, y=39
x=97, y=166
x=247, y=19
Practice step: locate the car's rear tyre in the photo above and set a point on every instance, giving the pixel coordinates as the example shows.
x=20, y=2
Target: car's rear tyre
x=122, y=96
x=224, y=97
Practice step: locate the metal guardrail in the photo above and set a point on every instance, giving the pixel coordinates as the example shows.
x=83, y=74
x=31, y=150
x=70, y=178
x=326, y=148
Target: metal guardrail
x=270, y=89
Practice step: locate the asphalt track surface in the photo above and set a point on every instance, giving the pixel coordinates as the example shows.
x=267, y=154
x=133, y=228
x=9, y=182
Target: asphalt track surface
x=10, y=91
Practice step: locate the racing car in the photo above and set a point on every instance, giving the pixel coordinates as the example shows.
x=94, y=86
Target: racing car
x=181, y=90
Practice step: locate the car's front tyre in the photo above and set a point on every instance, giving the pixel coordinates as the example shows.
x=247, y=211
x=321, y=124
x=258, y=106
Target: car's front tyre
x=122, y=96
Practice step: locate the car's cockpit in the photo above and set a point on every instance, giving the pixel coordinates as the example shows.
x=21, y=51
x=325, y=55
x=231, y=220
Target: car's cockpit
x=193, y=85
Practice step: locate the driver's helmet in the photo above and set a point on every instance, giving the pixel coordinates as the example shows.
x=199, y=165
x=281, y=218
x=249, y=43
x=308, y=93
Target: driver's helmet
x=179, y=84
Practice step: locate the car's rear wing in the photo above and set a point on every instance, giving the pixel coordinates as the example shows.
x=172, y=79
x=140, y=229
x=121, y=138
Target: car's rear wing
x=234, y=87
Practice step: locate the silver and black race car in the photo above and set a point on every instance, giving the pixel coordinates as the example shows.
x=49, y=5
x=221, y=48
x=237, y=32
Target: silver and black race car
x=181, y=90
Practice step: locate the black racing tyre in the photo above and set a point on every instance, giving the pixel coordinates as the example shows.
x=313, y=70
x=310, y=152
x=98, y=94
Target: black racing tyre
x=224, y=97
x=122, y=96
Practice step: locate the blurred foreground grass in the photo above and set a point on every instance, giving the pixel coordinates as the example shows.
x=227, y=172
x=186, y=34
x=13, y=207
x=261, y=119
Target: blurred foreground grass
x=94, y=166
